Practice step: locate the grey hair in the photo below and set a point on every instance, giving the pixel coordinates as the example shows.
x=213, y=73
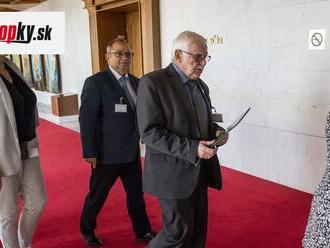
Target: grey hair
x=186, y=39
x=120, y=39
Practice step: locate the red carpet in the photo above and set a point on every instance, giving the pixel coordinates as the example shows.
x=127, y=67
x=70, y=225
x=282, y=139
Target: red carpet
x=247, y=213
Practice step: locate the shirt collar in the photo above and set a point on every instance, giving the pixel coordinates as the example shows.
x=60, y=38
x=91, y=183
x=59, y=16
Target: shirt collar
x=116, y=74
x=183, y=77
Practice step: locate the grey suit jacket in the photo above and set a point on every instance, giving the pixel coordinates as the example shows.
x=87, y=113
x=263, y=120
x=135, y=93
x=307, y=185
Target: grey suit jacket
x=10, y=154
x=169, y=129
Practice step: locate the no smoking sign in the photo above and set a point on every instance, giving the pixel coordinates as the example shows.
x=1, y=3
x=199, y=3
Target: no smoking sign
x=316, y=39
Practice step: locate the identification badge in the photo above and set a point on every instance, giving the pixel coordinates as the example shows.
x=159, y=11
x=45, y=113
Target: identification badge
x=121, y=108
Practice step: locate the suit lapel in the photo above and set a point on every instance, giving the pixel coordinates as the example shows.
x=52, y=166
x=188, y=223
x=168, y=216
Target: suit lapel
x=206, y=96
x=179, y=89
x=204, y=93
x=7, y=102
x=112, y=83
x=20, y=74
x=17, y=71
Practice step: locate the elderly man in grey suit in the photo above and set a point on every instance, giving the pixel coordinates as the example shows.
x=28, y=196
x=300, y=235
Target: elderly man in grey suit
x=175, y=122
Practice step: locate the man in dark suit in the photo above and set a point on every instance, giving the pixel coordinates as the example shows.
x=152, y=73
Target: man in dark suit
x=174, y=119
x=110, y=141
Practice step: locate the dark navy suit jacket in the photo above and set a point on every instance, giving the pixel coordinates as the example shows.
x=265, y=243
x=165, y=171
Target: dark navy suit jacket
x=112, y=137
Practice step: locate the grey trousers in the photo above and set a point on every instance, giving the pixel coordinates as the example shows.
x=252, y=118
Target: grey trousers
x=184, y=221
x=16, y=231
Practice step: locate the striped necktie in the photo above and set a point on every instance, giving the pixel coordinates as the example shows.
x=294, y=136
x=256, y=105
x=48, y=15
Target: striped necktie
x=129, y=91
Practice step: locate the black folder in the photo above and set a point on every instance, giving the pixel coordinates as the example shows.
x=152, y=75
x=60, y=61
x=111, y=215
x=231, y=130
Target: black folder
x=218, y=140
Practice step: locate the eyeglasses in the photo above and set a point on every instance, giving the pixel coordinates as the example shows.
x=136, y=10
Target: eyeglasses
x=198, y=56
x=122, y=54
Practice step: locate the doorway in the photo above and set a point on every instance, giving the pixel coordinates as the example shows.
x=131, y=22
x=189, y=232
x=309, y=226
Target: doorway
x=137, y=20
x=123, y=20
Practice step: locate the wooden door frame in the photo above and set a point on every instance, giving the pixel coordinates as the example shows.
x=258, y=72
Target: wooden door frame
x=150, y=30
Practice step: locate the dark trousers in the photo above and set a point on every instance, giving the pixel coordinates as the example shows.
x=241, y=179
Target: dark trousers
x=184, y=221
x=102, y=179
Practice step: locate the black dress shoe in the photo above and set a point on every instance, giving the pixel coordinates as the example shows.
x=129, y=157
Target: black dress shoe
x=146, y=237
x=91, y=240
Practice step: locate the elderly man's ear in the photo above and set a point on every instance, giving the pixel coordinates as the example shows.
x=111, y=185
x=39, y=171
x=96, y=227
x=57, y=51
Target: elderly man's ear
x=177, y=55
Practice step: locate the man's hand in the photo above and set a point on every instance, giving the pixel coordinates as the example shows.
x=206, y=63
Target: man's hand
x=203, y=151
x=91, y=161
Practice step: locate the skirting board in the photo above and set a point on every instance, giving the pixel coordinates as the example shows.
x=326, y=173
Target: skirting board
x=58, y=119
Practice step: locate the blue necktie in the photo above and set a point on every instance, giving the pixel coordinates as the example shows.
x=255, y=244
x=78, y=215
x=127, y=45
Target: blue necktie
x=129, y=91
